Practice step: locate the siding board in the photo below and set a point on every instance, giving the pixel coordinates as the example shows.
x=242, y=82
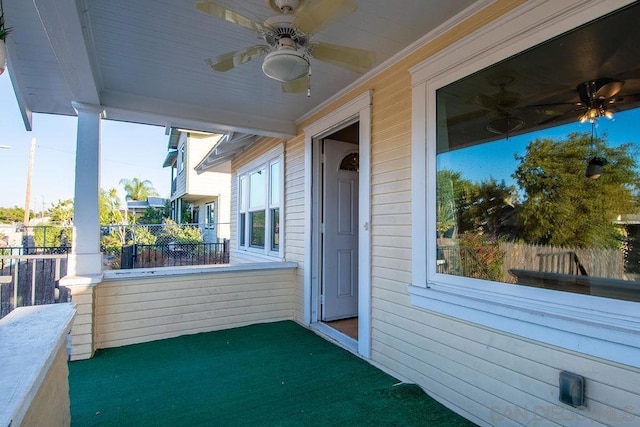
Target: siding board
x=136, y=311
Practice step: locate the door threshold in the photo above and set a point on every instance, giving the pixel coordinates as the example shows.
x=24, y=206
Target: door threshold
x=336, y=336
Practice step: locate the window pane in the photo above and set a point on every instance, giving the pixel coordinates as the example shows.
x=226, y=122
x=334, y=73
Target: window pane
x=543, y=222
x=275, y=184
x=242, y=229
x=275, y=229
x=243, y=194
x=257, y=229
x=256, y=189
x=535, y=184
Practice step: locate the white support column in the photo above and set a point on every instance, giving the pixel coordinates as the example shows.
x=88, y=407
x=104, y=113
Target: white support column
x=86, y=259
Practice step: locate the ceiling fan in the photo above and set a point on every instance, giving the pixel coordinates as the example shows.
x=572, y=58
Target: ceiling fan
x=288, y=46
x=499, y=104
x=598, y=98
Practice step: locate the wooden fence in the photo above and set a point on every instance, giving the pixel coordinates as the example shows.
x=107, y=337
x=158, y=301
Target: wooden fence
x=606, y=263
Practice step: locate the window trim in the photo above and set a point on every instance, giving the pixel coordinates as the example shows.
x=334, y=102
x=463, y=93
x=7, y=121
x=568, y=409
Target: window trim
x=264, y=163
x=182, y=157
x=597, y=326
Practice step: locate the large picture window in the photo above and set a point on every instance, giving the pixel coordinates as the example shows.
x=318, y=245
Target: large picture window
x=259, y=204
x=537, y=179
x=525, y=178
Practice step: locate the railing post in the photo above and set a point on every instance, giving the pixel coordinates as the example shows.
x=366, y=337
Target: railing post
x=225, y=245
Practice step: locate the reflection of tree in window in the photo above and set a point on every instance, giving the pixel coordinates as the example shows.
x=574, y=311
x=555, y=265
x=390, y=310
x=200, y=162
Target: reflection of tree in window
x=275, y=229
x=256, y=238
x=551, y=204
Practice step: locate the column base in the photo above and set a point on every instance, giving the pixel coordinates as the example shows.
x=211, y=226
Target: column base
x=82, y=290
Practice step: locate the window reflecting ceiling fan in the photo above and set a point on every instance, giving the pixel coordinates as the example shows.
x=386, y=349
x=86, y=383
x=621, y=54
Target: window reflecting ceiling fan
x=598, y=98
x=288, y=45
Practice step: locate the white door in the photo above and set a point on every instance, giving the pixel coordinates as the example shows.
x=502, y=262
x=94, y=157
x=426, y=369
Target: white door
x=340, y=237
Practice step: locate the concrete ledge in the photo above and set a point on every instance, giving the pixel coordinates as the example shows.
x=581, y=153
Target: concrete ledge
x=81, y=281
x=31, y=338
x=145, y=273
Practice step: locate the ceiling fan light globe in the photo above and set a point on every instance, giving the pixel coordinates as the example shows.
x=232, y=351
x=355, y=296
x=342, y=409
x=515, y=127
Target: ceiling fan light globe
x=285, y=65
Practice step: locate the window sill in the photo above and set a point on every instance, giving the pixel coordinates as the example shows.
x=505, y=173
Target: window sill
x=600, y=327
x=253, y=255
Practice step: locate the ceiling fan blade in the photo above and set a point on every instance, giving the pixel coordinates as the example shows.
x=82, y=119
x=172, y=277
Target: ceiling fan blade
x=609, y=89
x=230, y=60
x=322, y=13
x=354, y=59
x=296, y=86
x=466, y=117
x=214, y=9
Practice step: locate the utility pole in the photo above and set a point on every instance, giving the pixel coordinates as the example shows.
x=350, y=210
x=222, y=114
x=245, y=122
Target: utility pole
x=29, y=174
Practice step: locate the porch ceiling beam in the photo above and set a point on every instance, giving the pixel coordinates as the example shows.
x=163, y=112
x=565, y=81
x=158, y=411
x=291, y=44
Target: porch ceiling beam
x=61, y=21
x=140, y=109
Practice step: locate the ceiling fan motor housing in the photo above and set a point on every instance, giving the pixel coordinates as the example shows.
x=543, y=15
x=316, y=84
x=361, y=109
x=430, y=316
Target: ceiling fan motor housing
x=286, y=6
x=286, y=63
x=599, y=89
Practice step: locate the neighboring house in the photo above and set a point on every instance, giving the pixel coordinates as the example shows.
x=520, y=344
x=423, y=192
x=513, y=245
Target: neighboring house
x=137, y=208
x=204, y=194
x=344, y=184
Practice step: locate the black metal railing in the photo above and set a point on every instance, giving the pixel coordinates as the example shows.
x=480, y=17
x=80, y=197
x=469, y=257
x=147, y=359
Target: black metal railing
x=174, y=254
x=34, y=250
x=29, y=278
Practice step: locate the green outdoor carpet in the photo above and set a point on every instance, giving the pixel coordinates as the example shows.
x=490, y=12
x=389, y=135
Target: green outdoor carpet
x=276, y=374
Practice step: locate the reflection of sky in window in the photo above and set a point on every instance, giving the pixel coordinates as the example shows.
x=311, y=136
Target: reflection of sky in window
x=256, y=189
x=497, y=159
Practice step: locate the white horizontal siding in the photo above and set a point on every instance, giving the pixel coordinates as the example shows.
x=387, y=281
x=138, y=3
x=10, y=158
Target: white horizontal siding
x=295, y=217
x=134, y=311
x=488, y=376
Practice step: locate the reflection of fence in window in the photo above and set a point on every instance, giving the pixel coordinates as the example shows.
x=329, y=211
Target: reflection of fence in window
x=605, y=263
x=460, y=261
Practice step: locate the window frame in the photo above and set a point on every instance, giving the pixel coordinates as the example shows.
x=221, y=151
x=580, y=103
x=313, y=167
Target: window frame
x=263, y=163
x=182, y=157
x=600, y=327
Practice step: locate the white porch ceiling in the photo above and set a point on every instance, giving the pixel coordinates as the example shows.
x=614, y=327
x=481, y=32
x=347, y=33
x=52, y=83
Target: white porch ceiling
x=144, y=60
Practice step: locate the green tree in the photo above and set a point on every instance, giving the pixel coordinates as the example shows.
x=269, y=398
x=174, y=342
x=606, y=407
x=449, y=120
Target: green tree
x=62, y=212
x=173, y=232
x=155, y=215
x=484, y=206
x=110, y=211
x=137, y=189
x=446, y=201
x=14, y=214
x=564, y=208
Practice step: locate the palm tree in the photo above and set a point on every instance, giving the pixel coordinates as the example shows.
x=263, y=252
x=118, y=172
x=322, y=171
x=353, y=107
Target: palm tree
x=137, y=189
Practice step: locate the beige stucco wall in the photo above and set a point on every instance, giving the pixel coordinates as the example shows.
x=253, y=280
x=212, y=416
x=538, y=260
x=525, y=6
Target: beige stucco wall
x=488, y=376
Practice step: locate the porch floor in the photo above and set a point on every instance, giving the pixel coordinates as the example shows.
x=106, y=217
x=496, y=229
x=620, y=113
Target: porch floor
x=267, y=374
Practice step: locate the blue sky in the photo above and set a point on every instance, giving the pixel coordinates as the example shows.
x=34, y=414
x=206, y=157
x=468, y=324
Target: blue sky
x=128, y=151
x=496, y=159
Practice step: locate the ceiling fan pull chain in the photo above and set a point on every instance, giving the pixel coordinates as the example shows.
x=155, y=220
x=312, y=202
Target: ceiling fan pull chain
x=309, y=82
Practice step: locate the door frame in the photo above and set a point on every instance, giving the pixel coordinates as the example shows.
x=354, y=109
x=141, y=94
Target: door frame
x=356, y=110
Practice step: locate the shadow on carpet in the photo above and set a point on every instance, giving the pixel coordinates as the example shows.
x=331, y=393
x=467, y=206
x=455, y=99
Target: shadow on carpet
x=275, y=374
